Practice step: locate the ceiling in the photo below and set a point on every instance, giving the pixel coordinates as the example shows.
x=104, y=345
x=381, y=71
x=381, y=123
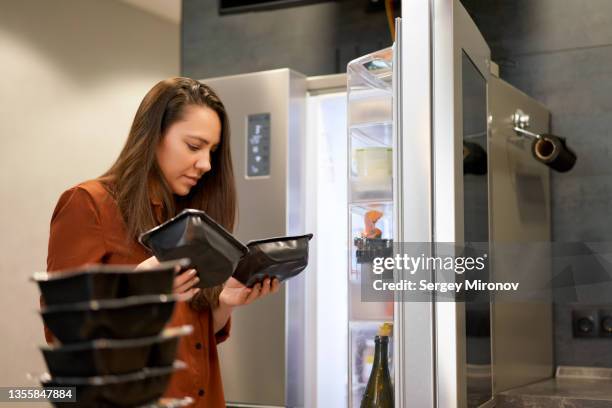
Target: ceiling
x=169, y=10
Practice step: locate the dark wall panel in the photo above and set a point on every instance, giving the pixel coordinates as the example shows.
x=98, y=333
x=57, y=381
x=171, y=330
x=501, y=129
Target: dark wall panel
x=314, y=39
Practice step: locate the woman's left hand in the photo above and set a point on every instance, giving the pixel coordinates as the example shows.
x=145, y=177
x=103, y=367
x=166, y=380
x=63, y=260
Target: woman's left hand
x=235, y=293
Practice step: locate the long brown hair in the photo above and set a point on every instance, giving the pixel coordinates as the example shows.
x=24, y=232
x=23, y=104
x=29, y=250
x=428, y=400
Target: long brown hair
x=136, y=169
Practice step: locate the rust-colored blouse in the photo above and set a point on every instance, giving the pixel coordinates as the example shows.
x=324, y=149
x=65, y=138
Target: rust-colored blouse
x=87, y=227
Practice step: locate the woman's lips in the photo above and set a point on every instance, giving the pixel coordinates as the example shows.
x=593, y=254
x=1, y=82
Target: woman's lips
x=192, y=180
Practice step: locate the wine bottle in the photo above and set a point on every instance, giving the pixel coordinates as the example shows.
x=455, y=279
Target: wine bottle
x=379, y=392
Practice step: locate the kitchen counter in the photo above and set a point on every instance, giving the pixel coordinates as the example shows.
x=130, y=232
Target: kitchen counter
x=559, y=393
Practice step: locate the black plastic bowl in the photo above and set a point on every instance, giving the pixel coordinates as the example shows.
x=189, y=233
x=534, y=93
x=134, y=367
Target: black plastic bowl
x=107, y=357
x=128, y=390
x=128, y=318
x=192, y=234
x=280, y=258
x=97, y=282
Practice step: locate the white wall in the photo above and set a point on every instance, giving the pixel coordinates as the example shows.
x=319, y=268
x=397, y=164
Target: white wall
x=72, y=73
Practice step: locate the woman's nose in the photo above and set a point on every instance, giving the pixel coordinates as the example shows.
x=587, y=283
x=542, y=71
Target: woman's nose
x=203, y=163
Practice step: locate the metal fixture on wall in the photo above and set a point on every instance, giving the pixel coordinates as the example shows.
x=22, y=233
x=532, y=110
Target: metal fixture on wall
x=548, y=149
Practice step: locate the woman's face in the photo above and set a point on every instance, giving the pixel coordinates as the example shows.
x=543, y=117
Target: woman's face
x=184, y=151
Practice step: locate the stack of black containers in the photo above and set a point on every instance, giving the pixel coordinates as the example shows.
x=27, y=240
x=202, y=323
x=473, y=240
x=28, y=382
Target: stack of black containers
x=111, y=345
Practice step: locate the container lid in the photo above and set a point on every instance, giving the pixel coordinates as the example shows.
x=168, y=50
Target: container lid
x=167, y=333
x=146, y=237
x=113, y=379
x=279, y=239
x=103, y=268
x=114, y=303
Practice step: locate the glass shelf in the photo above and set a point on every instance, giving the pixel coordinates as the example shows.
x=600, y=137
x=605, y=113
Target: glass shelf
x=374, y=189
x=367, y=311
x=375, y=134
x=369, y=106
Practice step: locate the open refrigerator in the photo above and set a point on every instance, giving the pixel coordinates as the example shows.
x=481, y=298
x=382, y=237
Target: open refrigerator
x=366, y=161
x=411, y=109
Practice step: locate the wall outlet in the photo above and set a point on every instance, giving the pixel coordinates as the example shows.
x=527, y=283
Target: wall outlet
x=585, y=323
x=605, y=323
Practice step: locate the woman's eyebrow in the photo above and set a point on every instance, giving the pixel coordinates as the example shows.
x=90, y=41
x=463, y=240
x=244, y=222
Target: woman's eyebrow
x=204, y=141
x=201, y=139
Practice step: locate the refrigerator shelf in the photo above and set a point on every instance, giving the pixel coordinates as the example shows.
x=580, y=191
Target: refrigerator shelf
x=371, y=201
x=360, y=324
x=372, y=134
x=364, y=194
x=373, y=70
x=369, y=106
x=369, y=312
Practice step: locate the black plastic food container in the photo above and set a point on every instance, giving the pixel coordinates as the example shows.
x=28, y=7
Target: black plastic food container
x=107, y=357
x=128, y=390
x=97, y=282
x=192, y=234
x=280, y=258
x=128, y=318
x=370, y=248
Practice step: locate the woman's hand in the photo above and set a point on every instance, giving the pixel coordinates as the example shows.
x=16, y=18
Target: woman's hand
x=183, y=283
x=236, y=294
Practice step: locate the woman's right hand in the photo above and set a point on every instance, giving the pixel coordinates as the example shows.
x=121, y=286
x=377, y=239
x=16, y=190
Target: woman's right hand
x=183, y=283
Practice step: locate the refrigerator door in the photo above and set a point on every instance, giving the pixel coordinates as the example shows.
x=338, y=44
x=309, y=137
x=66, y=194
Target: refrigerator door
x=440, y=94
x=390, y=201
x=263, y=361
x=412, y=195
x=461, y=60
x=520, y=356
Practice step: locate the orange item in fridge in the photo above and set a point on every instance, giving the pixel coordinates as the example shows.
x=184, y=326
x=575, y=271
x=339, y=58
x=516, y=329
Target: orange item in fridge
x=370, y=220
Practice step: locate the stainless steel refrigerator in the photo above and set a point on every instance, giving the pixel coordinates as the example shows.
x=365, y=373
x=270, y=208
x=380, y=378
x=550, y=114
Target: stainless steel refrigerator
x=263, y=359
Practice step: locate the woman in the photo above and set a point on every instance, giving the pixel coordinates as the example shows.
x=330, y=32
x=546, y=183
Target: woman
x=177, y=156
